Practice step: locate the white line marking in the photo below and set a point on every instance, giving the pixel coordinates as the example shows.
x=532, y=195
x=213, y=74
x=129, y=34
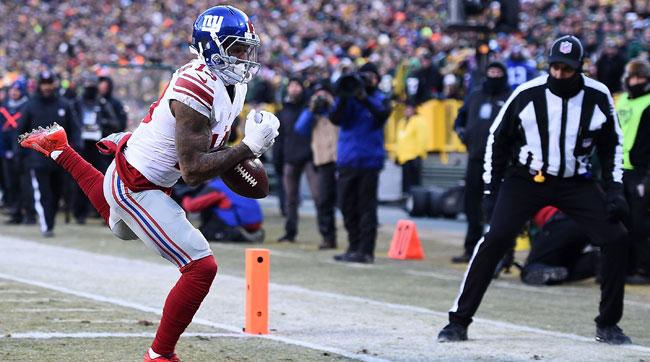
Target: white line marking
x=17, y=291
x=84, y=335
x=99, y=321
x=35, y=300
x=124, y=303
x=42, y=310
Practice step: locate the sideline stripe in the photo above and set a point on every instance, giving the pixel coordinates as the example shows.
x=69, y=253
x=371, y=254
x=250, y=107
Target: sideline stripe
x=155, y=223
x=84, y=335
x=117, y=200
x=236, y=330
x=122, y=194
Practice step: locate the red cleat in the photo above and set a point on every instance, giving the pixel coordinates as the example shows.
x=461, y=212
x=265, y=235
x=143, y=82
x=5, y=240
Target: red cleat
x=45, y=140
x=172, y=358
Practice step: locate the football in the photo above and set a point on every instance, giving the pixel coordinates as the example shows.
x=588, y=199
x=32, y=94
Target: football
x=248, y=178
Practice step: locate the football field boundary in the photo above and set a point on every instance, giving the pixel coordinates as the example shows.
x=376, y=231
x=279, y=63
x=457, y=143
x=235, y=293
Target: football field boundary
x=235, y=330
x=65, y=254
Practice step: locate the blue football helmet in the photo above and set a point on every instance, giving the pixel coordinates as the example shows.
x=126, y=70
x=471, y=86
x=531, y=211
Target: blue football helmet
x=224, y=37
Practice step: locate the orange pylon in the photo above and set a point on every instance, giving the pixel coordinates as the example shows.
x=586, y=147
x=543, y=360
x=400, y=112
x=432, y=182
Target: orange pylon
x=406, y=242
x=257, y=291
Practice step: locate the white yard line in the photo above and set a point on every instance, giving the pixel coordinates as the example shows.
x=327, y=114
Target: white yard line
x=61, y=310
x=96, y=321
x=90, y=335
x=34, y=300
x=16, y=291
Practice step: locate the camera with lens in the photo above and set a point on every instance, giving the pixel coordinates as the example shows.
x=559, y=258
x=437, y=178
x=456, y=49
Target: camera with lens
x=352, y=84
x=320, y=103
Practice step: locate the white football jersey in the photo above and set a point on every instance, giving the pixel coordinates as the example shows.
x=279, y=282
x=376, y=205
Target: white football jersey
x=152, y=147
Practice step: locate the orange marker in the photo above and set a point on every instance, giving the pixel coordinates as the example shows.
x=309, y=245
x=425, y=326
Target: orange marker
x=406, y=242
x=257, y=291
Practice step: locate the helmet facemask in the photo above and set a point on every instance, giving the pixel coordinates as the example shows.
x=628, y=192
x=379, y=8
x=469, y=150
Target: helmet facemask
x=236, y=59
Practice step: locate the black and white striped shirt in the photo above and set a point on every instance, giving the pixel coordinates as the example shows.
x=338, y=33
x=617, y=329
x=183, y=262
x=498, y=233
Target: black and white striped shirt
x=540, y=131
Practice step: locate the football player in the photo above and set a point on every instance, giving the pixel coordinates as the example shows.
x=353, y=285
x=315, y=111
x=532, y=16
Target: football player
x=177, y=138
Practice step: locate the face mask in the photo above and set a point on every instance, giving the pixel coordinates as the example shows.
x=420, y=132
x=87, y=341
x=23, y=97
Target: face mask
x=494, y=85
x=566, y=88
x=638, y=90
x=90, y=93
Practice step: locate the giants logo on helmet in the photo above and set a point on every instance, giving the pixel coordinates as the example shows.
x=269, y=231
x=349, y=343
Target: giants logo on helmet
x=212, y=23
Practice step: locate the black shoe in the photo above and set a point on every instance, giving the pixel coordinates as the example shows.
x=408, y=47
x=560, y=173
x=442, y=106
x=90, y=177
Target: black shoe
x=287, y=238
x=48, y=234
x=13, y=221
x=461, y=259
x=29, y=221
x=453, y=332
x=540, y=274
x=612, y=335
x=637, y=279
x=351, y=257
x=344, y=256
x=327, y=244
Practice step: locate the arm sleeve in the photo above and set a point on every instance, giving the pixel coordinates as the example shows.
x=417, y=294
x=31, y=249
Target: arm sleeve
x=74, y=126
x=643, y=133
x=499, y=144
x=24, y=123
x=379, y=107
x=338, y=113
x=305, y=123
x=461, y=122
x=610, y=145
x=194, y=89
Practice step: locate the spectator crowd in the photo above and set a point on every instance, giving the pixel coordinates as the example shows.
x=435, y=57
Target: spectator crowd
x=53, y=52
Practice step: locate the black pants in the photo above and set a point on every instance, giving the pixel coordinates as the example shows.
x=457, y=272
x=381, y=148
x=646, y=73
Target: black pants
x=48, y=186
x=326, y=206
x=80, y=204
x=561, y=242
x=519, y=198
x=473, y=199
x=14, y=190
x=292, y=174
x=279, y=173
x=638, y=223
x=358, y=203
x=411, y=174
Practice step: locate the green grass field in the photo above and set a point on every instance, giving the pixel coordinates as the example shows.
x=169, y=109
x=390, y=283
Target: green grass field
x=85, y=295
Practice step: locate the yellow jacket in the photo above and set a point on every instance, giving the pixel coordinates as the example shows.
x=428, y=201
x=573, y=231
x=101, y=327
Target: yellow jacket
x=411, y=139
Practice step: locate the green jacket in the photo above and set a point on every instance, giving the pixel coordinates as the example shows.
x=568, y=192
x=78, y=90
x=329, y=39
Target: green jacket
x=634, y=118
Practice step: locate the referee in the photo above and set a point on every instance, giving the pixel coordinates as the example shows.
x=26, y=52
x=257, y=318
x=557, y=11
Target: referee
x=538, y=154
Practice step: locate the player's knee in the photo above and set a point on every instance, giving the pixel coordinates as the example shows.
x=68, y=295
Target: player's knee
x=204, y=269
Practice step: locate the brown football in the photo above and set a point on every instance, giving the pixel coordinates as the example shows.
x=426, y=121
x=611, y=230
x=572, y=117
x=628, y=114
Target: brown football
x=248, y=178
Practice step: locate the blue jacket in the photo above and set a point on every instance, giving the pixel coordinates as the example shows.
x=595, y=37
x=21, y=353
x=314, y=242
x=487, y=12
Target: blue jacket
x=305, y=122
x=361, y=136
x=244, y=211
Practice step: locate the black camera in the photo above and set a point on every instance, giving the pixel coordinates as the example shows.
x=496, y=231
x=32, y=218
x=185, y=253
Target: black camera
x=320, y=103
x=349, y=85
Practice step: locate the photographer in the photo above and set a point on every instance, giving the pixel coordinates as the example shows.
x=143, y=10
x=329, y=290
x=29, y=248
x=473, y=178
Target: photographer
x=315, y=122
x=361, y=110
